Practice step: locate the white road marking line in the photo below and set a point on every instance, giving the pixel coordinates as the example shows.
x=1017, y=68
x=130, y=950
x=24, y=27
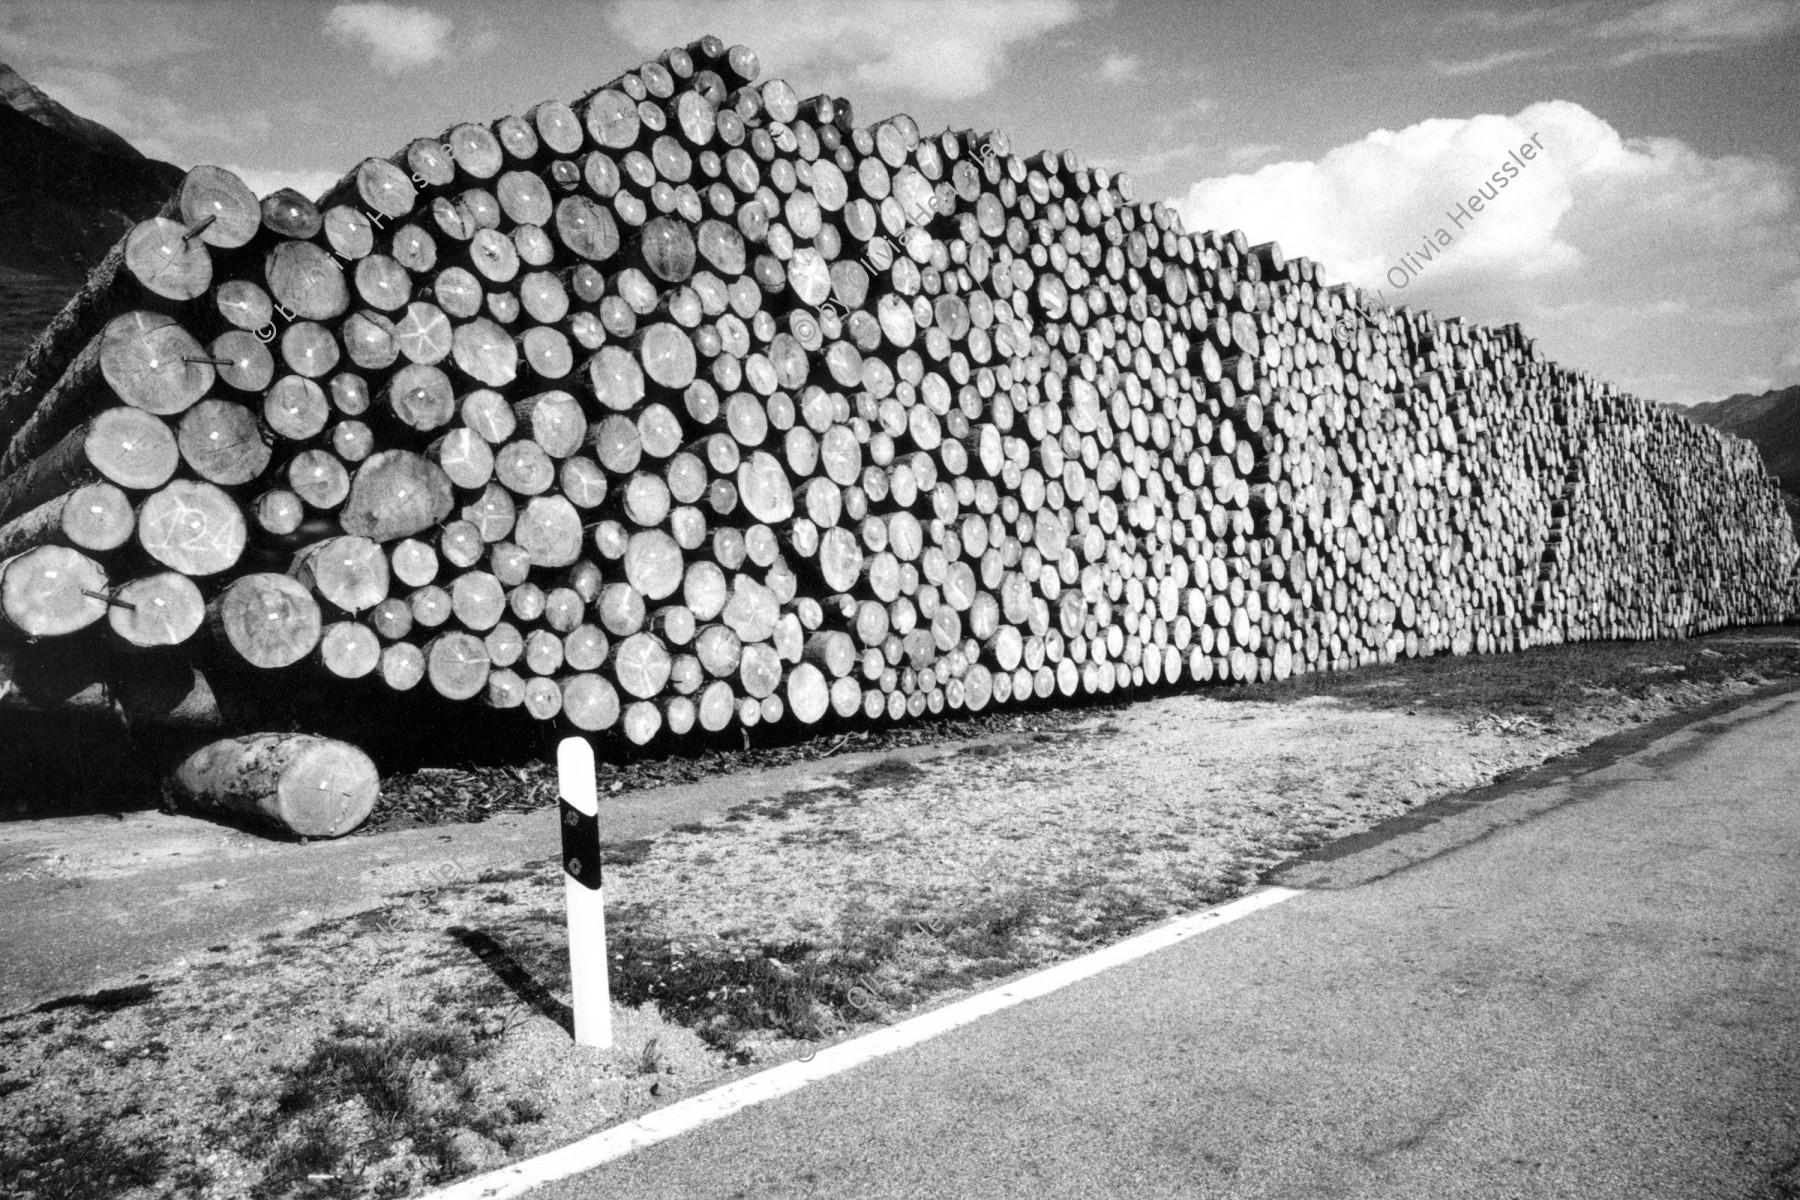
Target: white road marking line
x=519, y=1178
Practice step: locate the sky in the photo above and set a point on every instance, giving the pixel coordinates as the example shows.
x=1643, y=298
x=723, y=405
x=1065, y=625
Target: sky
x=1652, y=237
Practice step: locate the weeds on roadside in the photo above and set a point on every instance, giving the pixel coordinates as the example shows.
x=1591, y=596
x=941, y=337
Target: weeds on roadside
x=365, y=1098
x=729, y=993
x=63, y=1160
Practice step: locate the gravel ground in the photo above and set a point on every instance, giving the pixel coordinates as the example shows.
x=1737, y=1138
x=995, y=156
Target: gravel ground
x=381, y=1053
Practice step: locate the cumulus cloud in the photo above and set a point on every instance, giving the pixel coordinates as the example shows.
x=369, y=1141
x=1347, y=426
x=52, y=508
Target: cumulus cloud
x=1120, y=68
x=1669, y=270
x=944, y=49
x=1240, y=156
x=398, y=39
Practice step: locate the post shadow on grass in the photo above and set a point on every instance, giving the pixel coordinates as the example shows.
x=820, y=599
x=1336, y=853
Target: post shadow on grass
x=511, y=973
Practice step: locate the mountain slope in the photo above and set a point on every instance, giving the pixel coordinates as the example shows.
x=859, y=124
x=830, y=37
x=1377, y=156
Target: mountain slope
x=63, y=204
x=1771, y=420
x=69, y=189
x=20, y=96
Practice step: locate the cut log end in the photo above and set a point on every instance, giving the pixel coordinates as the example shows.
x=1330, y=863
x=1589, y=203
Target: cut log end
x=312, y=787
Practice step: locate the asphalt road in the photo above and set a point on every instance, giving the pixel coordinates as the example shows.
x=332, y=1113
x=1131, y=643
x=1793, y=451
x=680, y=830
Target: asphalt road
x=1586, y=989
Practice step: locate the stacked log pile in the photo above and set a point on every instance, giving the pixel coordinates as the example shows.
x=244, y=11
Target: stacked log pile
x=696, y=403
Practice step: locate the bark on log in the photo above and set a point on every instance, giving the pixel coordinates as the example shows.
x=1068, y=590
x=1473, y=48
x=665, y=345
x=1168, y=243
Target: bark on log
x=309, y=786
x=111, y=286
x=95, y=517
x=144, y=359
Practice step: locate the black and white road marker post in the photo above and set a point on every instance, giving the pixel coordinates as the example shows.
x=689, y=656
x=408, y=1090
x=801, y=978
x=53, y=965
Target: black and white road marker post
x=590, y=999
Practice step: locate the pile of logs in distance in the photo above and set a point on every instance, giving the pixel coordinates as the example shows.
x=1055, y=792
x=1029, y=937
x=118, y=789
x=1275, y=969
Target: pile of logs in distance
x=697, y=403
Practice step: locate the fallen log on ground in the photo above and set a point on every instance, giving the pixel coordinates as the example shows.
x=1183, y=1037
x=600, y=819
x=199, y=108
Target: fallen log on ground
x=309, y=786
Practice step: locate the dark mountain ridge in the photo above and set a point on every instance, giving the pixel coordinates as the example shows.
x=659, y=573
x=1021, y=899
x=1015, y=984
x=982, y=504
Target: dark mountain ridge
x=64, y=202
x=19, y=95
x=69, y=189
x=1771, y=420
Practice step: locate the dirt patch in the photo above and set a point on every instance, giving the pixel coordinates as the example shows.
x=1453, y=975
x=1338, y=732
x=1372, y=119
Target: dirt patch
x=429, y=1039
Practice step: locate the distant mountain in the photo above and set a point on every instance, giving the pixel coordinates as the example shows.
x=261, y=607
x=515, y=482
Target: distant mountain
x=69, y=187
x=1771, y=420
x=17, y=94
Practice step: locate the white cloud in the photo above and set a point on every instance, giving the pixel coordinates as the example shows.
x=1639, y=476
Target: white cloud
x=1157, y=158
x=157, y=125
x=1239, y=156
x=1488, y=62
x=945, y=49
x=1660, y=29
x=397, y=38
x=1512, y=22
x=1631, y=256
x=1120, y=68
x=103, y=33
x=1675, y=27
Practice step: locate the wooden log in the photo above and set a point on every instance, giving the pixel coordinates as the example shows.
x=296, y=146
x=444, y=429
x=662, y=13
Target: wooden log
x=376, y=184
x=1210, y=415
x=653, y=564
x=122, y=446
x=269, y=620
x=114, y=284
x=349, y=650
x=590, y=702
x=402, y=666
x=808, y=693
x=319, y=479
x=556, y=422
x=144, y=359
x=348, y=572
x=396, y=494
x=457, y=665
x=485, y=352
x=51, y=591
x=304, y=278
x=222, y=443
x=94, y=517
x=192, y=527
x=286, y=213
x=164, y=609
x=280, y=511
x=308, y=786
x=549, y=531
